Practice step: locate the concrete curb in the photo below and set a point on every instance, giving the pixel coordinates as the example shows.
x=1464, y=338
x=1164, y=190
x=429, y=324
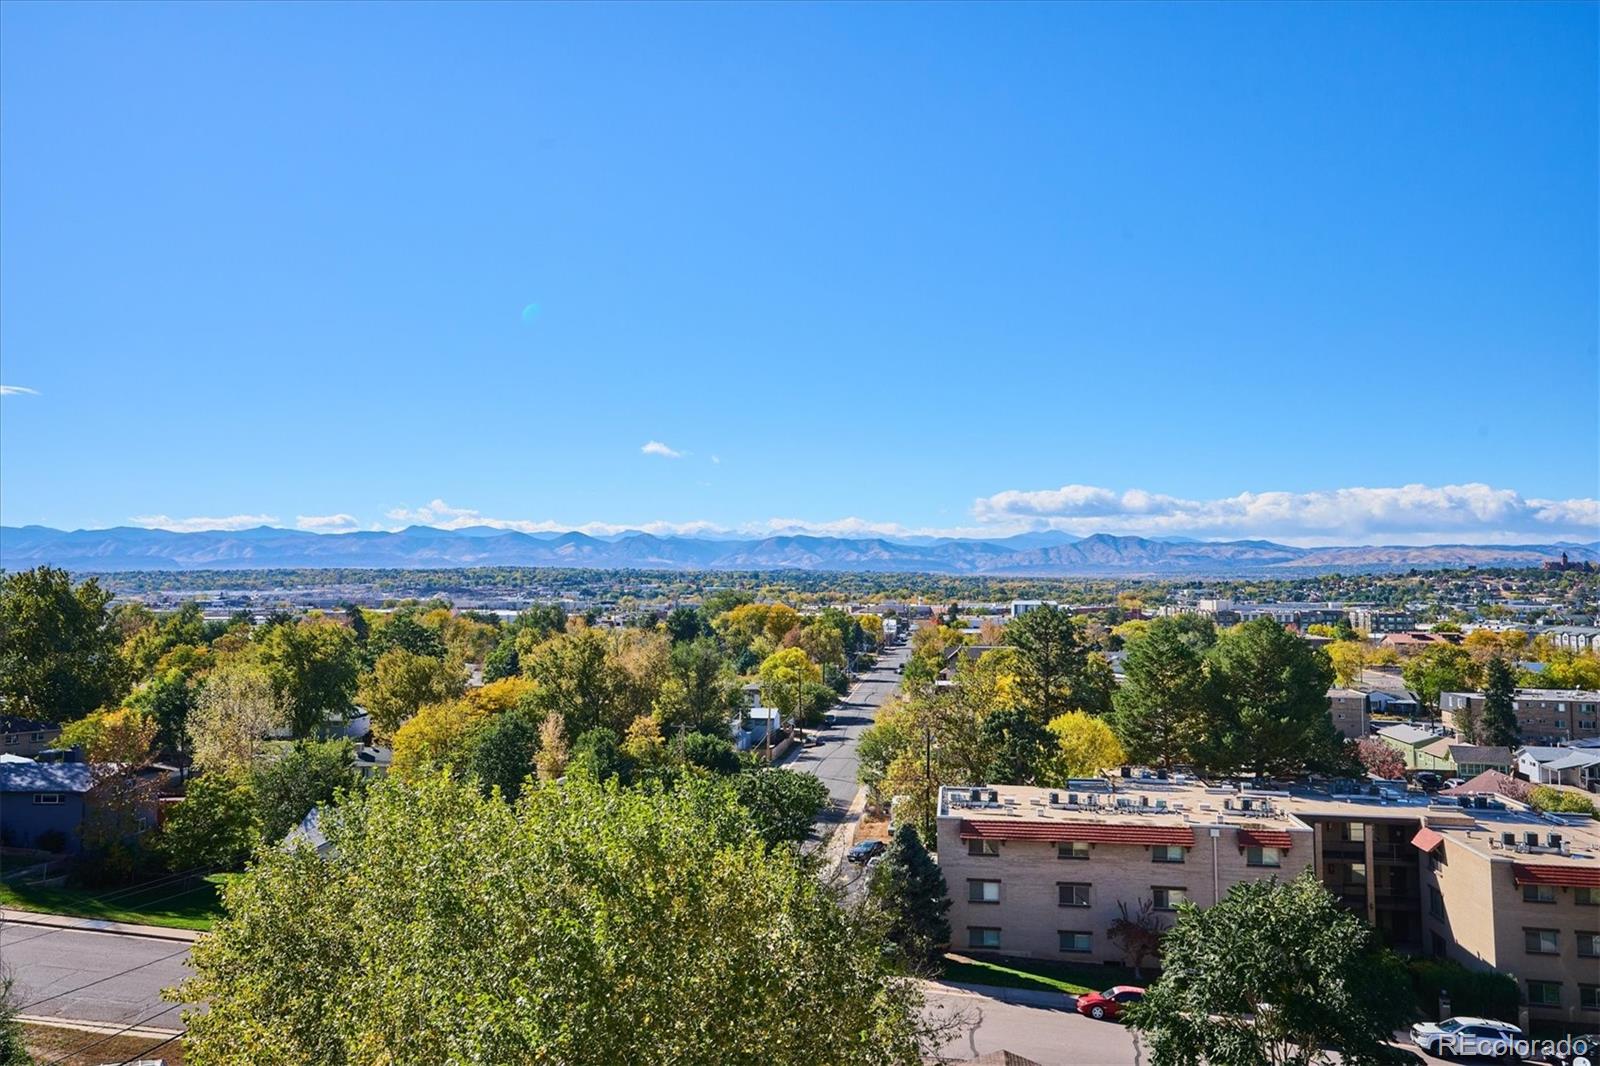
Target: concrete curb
x=101, y=1028
x=99, y=925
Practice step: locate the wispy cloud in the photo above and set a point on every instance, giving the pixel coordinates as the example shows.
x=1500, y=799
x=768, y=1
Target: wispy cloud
x=655, y=447
x=196, y=524
x=17, y=390
x=326, y=523
x=1402, y=514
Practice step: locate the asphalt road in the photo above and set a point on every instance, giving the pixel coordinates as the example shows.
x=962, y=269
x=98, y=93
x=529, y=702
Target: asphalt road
x=1049, y=1035
x=834, y=761
x=98, y=977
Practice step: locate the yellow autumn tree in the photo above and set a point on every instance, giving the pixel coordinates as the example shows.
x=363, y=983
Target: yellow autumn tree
x=1086, y=745
x=438, y=735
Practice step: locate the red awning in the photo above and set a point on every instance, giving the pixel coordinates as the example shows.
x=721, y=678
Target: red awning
x=1426, y=839
x=1524, y=873
x=1265, y=838
x=1017, y=829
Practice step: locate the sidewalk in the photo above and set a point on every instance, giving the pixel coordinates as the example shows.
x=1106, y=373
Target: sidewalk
x=99, y=925
x=102, y=1028
x=1022, y=997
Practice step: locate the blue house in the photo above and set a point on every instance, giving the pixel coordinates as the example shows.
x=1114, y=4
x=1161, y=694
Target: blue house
x=42, y=798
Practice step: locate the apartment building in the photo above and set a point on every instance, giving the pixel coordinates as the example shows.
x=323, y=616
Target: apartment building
x=1378, y=620
x=1044, y=873
x=1480, y=879
x=1348, y=708
x=1519, y=892
x=1573, y=638
x=1544, y=715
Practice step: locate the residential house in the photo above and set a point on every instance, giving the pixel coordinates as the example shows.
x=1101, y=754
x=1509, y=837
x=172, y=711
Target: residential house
x=40, y=801
x=24, y=736
x=1409, y=741
x=1560, y=765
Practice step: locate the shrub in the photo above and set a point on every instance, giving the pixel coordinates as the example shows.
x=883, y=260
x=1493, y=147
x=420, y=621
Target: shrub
x=1484, y=993
x=1546, y=798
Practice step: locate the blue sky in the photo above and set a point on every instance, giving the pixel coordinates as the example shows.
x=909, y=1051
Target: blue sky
x=1319, y=273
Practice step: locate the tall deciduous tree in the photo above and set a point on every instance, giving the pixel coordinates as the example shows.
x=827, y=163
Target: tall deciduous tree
x=1444, y=668
x=574, y=679
x=1498, y=724
x=313, y=666
x=1272, y=703
x=784, y=675
x=401, y=683
x=782, y=803
x=309, y=775
x=215, y=827
x=238, y=707
x=1273, y=973
x=1085, y=746
x=58, y=650
x=1050, y=660
x=1021, y=749
x=912, y=892
x=1161, y=707
x=451, y=928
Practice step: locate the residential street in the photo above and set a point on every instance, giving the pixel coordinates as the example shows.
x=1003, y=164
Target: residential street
x=834, y=760
x=96, y=977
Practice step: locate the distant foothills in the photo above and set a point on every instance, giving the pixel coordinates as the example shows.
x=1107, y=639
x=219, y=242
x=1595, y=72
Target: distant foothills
x=1042, y=554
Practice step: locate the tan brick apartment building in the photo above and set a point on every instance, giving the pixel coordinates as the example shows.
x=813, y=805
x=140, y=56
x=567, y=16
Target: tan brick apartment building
x=1543, y=714
x=1040, y=872
x=1348, y=708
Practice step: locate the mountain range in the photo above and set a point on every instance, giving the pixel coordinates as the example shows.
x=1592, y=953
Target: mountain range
x=1039, y=554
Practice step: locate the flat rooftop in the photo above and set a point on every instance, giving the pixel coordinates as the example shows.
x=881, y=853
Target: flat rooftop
x=1184, y=802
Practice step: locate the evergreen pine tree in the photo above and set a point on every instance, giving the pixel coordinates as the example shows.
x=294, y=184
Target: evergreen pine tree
x=1498, y=725
x=1160, y=710
x=911, y=890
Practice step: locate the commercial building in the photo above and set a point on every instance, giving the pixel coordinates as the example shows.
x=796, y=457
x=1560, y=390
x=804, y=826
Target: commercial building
x=1544, y=715
x=1480, y=879
x=1379, y=620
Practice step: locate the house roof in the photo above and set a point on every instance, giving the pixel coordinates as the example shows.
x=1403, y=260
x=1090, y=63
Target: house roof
x=1574, y=761
x=1009, y=829
x=1440, y=749
x=15, y=723
x=1406, y=734
x=1472, y=753
x=1490, y=782
x=1527, y=873
x=1543, y=753
x=46, y=777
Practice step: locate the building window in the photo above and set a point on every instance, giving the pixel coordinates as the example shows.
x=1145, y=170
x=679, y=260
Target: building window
x=1077, y=943
x=1355, y=832
x=1541, y=941
x=1072, y=849
x=983, y=847
x=983, y=937
x=1358, y=873
x=47, y=799
x=983, y=891
x=1166, y=898
x=1072, y=894
x=1263, y=857
x=1589, y=997
x=1588, y=945
x=1586, y=897
x=1435, y=903
x=1544, y=993
x=1538, y=893
x=1166, y=853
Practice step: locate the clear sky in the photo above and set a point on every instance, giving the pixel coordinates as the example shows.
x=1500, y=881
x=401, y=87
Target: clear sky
x=1319, y=273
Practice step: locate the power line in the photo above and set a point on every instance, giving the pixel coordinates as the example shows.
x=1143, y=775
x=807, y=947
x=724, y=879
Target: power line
x=102, y=980
x=102, y=1038
x=107, y=897
x=152, y=1047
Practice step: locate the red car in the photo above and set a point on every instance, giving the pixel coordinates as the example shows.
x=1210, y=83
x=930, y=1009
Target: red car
x=1108, y=1005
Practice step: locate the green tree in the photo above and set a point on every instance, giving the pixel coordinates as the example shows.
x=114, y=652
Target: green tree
x=782, y=803
x=452, y=929
x=912, y=892
x=784, y=676
x=1550, y=798
x=404, y=630
x=13, y=1046
x=597, y=755
x=1273, y=974
x=697, y=694
x=503, y=754
x=1270, y=712
x=1161, y=707
x=574, y=678
x=1498, y=724
x=707, y=752
x=401, y=683
x=214, y=828
x=237, y=708
x=1021, y=750
x=1442, y=668
x=58, y=651
x=1050, y=660
x=685, y=624
x=313, y=667
x=311, y=774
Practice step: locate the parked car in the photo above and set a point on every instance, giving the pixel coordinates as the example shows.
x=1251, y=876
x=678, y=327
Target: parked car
x=865, y=850
x=1452, y=782
x=1107, y=1005
x=1577, y=1051
x=1429, y=781
x=1467, y=1037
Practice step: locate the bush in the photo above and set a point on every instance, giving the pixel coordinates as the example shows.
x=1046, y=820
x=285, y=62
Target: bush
x=1546, y=798
x=1483, y=993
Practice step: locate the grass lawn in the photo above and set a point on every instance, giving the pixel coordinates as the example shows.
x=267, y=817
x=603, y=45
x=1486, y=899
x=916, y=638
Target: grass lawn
x=188, y=905
x=1040, y=975
x=76, y=1047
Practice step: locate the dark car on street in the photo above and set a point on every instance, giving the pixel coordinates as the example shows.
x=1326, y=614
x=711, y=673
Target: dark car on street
x=1108, y=1005
x=866, y=850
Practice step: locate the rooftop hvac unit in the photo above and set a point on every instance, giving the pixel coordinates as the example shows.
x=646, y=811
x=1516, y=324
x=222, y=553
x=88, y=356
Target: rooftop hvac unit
x=1161, y=805
x=1480, y=802
x=1055, y=797
x=1245, y=805
x=1144, y=801
x=994, y=797
x=1072, y=798
x=1508, y=839
x=1531, y=839
x=976, y=796
x=1555, y=841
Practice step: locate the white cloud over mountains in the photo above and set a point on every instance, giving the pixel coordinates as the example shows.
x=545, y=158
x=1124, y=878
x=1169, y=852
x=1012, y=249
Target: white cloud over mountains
x=1407, y=514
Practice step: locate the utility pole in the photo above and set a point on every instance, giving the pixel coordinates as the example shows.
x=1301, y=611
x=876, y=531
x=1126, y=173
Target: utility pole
x=927, y=783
